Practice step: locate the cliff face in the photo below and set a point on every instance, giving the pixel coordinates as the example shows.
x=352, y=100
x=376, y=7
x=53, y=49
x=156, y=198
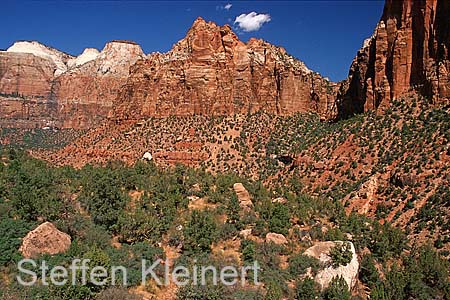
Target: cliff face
x=25, y=89
x=409, y=49
x=212, y=72
x=41, y=86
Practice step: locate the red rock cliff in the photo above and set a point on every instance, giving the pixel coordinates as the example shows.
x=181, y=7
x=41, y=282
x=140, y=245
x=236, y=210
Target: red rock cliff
x=409, y=49
x=211, y=71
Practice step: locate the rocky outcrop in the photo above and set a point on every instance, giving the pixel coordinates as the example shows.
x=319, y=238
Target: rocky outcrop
x=408, y=50
x=349, y=272
x=41, y=86
x=88, y=55
x=365, y=199
x=276, y=238
x=45, y=239
x=212, y=72
x=243, y=196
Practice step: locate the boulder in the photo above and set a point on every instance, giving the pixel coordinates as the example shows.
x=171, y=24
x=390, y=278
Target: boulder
x=45, y=239
x=147, y=156
x=349, y=272
x=243, y=196
x=245, y=233
x=279, y=200
x=276, y=238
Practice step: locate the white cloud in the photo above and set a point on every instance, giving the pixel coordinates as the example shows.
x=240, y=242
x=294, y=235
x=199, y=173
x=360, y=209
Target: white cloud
x=228, y=6
x=251, y=21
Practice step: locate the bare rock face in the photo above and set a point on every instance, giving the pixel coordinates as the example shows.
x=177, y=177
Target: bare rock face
x=365, y=198
x=408, y=50
x=212, y=72
x=321, y=251
x=25, y=89
x=45, y=239
x=88, y=55
x=243, y=196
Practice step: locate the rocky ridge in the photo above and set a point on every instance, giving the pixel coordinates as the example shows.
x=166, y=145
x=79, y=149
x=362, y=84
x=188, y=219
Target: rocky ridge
x=212, y=72
x=209, y=72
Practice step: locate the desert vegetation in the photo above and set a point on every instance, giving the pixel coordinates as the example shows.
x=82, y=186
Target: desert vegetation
x=118, y=214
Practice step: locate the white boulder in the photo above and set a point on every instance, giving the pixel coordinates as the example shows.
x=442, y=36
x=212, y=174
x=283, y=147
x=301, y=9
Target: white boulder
x=349, y=272
x=147, y=156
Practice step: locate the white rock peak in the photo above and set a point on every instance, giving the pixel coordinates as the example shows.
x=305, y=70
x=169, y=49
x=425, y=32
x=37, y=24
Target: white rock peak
x=119, y=53
x=37, y=49
x=88, y=55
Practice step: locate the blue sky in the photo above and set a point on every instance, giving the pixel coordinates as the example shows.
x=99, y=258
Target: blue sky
x=323, y=34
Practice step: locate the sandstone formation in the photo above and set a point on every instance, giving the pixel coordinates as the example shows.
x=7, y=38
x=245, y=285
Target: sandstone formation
x=212, y=72
x=365, y=198
x=208, y=72
x=45, y=239
x=243, y=196
x=321, y=251
x=87, y=55
x=41, y=86
x=408, y=50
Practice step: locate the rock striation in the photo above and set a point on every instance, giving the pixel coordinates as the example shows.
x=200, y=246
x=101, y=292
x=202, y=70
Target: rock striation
x=59, y=58
x=25, y=87
x=409, y=49
x=212, y=72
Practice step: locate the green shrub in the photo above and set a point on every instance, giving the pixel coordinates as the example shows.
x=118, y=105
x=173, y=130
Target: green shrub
x=341, y=254
x=200, y=232
x=306, y=289
x=299, y=263
x=337, y=290
x=11, y=234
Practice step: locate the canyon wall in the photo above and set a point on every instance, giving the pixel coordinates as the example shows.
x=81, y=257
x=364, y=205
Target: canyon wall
x=209, y=72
